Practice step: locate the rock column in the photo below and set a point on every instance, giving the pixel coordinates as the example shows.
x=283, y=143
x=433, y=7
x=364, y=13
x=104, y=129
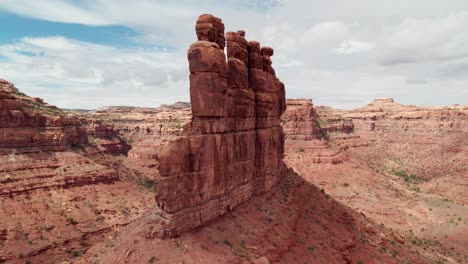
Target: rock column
x=234, y=146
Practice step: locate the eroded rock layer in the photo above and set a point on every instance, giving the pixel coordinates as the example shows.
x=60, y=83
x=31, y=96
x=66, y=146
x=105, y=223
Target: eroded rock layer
x=402, y=166
x=60, y=184
x=234, y=146
x=28, y=124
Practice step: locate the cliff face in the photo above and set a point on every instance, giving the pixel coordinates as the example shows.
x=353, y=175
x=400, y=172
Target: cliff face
x=144, y=129
x=396, y=166
x=428, y=141
x=28, y=124
x=57, y=176
x=34, y=141
x=233, y=148
x=300, y=120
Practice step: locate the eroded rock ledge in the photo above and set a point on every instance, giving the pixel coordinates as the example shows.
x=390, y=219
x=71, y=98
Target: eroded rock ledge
x=233, y=148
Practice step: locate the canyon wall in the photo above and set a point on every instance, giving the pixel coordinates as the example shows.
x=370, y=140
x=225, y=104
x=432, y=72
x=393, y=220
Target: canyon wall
x=300, y=120
x=28, y=124
x=425, y=141
x=233, y=148
x=397, y=156
x=59, y=176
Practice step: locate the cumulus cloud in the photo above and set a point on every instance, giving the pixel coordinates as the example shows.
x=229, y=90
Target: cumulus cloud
x=422, y=40
x=54, y=10
x=92, y=75
x=341, y=53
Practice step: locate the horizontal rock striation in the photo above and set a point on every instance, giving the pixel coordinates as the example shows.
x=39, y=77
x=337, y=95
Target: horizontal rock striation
x=106, y=137
x=233, y=148
x=300, y=120
x=59, y=187
x=43, y=148
x=27, y=124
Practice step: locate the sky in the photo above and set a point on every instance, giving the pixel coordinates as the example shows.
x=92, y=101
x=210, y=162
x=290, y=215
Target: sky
x=93, y=53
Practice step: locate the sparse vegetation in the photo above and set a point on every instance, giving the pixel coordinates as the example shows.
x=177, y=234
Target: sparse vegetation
x=42, y=108
x=409, y=178
x=324, y=134
x=148, y=183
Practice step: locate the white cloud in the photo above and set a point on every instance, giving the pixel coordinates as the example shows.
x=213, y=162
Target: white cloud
x=54, y=10
x=419, y=40
x=325, y=33
x=353, y=46
x=52, y=43
x=61, y=68
x=337, y=52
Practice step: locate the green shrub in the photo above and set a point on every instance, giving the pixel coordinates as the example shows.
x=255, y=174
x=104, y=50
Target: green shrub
x=409, y=178
x=149, y=183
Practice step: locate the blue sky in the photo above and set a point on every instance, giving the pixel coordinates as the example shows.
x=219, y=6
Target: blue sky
x=92, y=53
x=20, y=26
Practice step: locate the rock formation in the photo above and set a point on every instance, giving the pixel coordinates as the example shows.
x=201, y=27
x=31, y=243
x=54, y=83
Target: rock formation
x=300, y=120
x=57, y=180
x=106, y=137
x=27, y=124
x=234, y=146
x=397, y=156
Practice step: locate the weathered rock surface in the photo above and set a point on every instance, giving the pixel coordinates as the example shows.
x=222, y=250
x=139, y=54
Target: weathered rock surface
x=233, y=148
x=106, y=137
x=293, y=223
x=142, y=129
x=431, y=141
x=402, y=166
x=300, y=120
x=27, y=124
x=59, y=181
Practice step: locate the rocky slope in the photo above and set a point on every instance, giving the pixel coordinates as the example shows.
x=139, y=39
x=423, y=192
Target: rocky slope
x=402, y=166
x=57, y=176
x=142, y=128
x=292, y=223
